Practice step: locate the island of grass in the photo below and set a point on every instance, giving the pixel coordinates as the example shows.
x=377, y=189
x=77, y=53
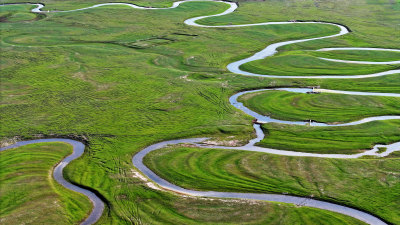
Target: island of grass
x=322, y=107
x=291, y=64
x=358, y=55
x=353, y=182
x=29, y=192
x=340, y=140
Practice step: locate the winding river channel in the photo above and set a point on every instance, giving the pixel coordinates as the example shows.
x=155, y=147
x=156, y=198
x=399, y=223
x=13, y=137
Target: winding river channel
x=137, y=160
x=78, y=150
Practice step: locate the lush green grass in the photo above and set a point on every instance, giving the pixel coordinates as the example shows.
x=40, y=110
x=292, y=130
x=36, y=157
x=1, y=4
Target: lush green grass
x=395, y=154
x=322, y=107
x=128, y=78
x=357, y=55
x=29, y=194
x=374, y=23
x=387, y=84
x=220, y=212
x=354, y=14
x=21, y=17
x=381, y=149
x=346, y=139
x=17, y=13
x=370, y=185
x=76, y=4
x=302, y=64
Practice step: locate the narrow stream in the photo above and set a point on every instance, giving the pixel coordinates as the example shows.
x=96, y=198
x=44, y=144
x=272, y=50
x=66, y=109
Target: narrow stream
x=78, y=149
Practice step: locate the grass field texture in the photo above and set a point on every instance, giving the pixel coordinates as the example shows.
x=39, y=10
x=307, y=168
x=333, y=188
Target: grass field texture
x=344, y=140
x=368, y=184
x=30, y=195
x=324, y=107
x=126, y=78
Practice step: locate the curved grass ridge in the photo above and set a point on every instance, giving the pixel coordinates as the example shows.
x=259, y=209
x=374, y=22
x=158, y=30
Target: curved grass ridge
x=137, y=161
x=359, y=49
x=78, y=149
x=267, y=119
x=270, y=50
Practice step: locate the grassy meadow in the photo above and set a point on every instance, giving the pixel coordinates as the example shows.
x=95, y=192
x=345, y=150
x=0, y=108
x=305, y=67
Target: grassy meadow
x=368, y=184
x=323, y=107
x=30, y=195
x=359, y=55
x=126, y=78
x=343, y=140
x=17, y=13
x=292, y=64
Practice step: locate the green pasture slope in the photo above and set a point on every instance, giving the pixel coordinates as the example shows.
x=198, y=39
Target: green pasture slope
x=30, y=195
x=126, y=78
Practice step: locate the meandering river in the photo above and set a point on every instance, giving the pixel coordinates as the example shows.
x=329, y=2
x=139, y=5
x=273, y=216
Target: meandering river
x=270, y=50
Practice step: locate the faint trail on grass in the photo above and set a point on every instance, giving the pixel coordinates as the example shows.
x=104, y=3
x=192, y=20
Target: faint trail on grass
x=234, y=67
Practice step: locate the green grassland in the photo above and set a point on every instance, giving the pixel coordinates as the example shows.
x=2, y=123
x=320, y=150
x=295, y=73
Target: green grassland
x=324, y=107
x=358, y=55
x=126, y=78
x=368, y=184
x=394, y=155
x=345, y=140
x=29, y=194
x=76, y=4
x=17, y=13
x=300, y=65
x=374, y=23
x=356, y=15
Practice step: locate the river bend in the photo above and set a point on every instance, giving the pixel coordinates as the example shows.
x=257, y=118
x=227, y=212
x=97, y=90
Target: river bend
x=78, y=150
